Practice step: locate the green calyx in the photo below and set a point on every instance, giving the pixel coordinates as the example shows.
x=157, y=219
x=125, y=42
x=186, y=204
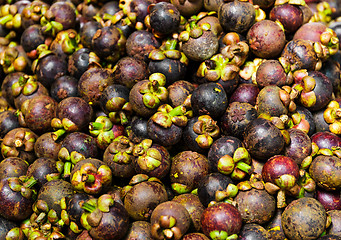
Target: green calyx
x=50, y=27
x=167, y=115
x=241, y=160
x=154, y=91
x=207, y=129
x=180, y=188
x=151, y=160
x=104, y=202
x=141, y=148
x=222, y=235
x=218, y=67
x=121, y=144
x=119, y=110
x=230, y=192
x=26, y=85
x=24, y=185
x=286, y=181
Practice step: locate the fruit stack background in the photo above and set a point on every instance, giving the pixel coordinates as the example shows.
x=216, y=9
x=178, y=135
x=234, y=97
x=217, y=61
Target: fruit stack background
x=170, y=119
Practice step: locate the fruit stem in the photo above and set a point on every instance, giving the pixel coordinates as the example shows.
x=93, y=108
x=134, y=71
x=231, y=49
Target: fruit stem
x=89, y=178
x=177, y=111
x=244, y=167
x=30, y=182
x=6, y=19
x=57, y=134
x=67, y=169
x=88, y=207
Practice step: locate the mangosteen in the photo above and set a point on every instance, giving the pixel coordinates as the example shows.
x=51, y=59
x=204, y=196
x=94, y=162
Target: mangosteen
x=169, y=220
x=304, y=218
x=142, y=197
x=187, y=169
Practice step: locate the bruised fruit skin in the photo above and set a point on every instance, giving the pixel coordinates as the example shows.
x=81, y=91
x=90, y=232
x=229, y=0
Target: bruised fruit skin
x=236, y=16
x=93, y=82
x=326, y=171
x=194, y=207
x=269, y=101
x=187, y=169
x=253, y=231
x=139, y=230
x=304, y=218
x=142, y=199
x=255, y=206
x=300, y=54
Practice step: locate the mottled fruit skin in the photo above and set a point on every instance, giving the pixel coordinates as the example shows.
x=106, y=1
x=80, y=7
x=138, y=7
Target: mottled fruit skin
x=13, y=167
x=46, y=146
x=210, y=184
x=194, y=207
x=323, y=90
x=93, y=82
x=304, y=219
x=326, y=140
x=223, y=217
x=331, y=200
x=81, y=143
x=114, y=224
x=40, y=111
x=335, y=227
x=142, y=199
x=326, y=171
x=266, y=39
x=310, y=31
x=299, y=147
x=253, y=231
x=210, y=99
x=164, y=18
x=140, y=44
x=236, y=16
x=77, y=110
x=225, y=145
x=245, y=92
x=53, y=191
x=175, y=210
x=255, y=206
x=188, y=168
x=14, y=206
x=262, y=139
x=271, y=72
x=7, y=225
x=300, y=54
x=269, y=102
x=289, y=15
x=236, y=118
x=130, y=70
x=201, y=48
x=139, y=230
x=195, y=236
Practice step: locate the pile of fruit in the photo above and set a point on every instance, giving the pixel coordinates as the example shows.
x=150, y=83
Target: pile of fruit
x=170, y=119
